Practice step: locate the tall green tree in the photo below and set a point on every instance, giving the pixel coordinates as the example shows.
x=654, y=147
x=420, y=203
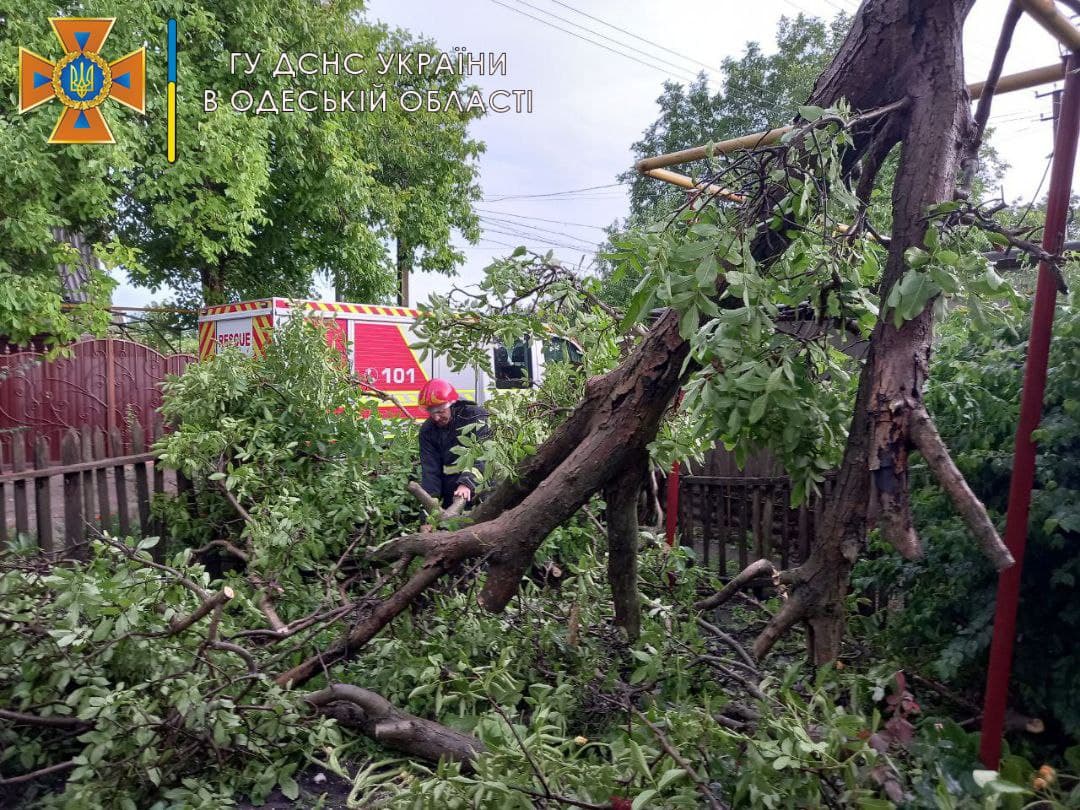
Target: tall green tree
x=760, y=91
x=256, y=204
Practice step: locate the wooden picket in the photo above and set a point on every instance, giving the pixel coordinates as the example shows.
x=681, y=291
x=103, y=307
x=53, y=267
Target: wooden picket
x=731, y=520
x=43, y=497
x=88, y=502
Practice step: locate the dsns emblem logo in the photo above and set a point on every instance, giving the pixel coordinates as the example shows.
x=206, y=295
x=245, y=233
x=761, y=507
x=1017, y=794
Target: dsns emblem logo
x=82, y=80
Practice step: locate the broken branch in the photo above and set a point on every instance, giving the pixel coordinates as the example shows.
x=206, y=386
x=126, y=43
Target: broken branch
x=208, y=605
x=757, y=569
x=374, y=716
x=928, y=442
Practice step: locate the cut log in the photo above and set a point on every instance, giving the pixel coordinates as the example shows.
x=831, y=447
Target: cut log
x=374, y=716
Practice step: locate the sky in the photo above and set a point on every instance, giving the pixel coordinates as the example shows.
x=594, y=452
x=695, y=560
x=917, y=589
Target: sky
x=549, y=176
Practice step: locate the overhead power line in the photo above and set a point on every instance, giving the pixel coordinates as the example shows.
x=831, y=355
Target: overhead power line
x=621, y=44
x=667, y=73
x=760, y=92
x=513, y=224
x=542, y=219
x=550, y=193
x=512, y=230
x=753, y=93
x=538, y=239
x=635, y=36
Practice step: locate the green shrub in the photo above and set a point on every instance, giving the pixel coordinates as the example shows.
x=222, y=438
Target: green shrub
x=948, y=597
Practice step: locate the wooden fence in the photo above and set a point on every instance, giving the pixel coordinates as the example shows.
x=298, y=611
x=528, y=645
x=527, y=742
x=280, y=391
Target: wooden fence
x=105, y=384
x=100, y=484
x=730, y=521
x=731, y=516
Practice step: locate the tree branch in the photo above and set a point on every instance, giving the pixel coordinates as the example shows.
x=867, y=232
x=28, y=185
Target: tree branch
x=29, y=777
x=235, y=551
x=754, y=570
x=266, y=605
x=928, y=442
x=219, y=598
x=376, y=717
x=970, y=161
x=55, y=721
x=729, y=641
x=673, y=752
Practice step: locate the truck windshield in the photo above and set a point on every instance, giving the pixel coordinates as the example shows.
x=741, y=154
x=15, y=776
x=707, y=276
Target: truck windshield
x=513, y=365
x=561, y=350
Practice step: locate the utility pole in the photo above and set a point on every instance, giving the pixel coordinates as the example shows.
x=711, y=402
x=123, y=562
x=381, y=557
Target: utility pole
x=404, y=266
x=1031, y=405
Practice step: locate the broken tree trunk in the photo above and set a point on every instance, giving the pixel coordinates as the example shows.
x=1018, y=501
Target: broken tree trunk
x=902, y=55
x=895, y=50
x=374, y=716
x=610, y=428
x=621, y=497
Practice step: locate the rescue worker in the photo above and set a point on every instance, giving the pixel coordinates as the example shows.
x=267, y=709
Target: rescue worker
x=439, y=435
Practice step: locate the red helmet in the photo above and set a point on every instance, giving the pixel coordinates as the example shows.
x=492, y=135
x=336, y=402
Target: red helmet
x=437, y=392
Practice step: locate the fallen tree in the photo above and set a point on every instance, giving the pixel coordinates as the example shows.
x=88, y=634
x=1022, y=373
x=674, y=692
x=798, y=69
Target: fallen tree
x=902, y=64
x=297, y=484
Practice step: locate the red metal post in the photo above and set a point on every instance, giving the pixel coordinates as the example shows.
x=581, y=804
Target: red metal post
x=1031, y=403
x=672, y=516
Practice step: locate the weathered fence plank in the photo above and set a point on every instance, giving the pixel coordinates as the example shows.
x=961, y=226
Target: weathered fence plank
x=18, y=489
x=90, y=515
x=74, y=530
x=43, y=498
x=158, y=551
x=734, y=517
x=83, y=472
x=142, y=484
x=120, y=480
x=102, y=479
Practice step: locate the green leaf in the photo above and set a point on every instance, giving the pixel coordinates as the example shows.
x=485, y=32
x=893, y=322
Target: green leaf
x=669, y=776
x=688, y=323
x=916, y=257
x=643, y=799
x=640, y=763
x=775, y=378
x=642, y=300
x=289, y=787
x=757, y=408
x=707, y=270
x=810, y=112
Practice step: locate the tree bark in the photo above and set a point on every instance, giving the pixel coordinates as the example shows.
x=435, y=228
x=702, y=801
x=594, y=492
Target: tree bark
x=213, y=285
x=895, y=50
x=375, y=716
x=621, y=497
x=404, y=267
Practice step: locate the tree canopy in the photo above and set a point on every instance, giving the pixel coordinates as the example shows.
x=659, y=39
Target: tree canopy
x=256, y=204
x=760, y=91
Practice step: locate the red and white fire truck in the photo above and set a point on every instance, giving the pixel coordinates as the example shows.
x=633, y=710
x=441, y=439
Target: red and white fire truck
x=376, y=341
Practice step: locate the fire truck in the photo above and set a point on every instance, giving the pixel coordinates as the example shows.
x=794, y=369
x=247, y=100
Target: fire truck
x=376, y=342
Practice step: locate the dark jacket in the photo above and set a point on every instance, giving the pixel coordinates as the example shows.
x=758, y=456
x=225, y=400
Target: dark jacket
x=436, y=450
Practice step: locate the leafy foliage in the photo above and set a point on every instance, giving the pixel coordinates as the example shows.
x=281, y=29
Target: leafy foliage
x=760, y=91
x=154, y=715
x=976, y=382
x=285, y=435
x=563, y=705
x=257, y=204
